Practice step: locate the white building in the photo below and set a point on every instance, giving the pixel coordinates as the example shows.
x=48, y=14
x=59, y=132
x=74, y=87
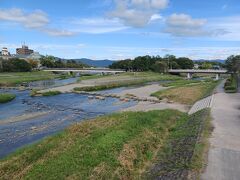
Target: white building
x=5, y=52
x=196, y=66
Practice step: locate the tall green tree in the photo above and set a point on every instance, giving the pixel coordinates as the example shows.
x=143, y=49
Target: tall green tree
x=185, y=63
x=48, y=61
x=233, y=64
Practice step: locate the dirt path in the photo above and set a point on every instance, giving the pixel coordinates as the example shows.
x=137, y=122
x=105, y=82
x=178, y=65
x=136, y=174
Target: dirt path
x=224, y=153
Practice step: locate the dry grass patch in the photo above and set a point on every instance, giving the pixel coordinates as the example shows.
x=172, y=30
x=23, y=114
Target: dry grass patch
x=187, y=94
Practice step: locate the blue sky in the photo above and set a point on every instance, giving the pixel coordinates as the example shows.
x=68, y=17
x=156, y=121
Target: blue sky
x=119, y=29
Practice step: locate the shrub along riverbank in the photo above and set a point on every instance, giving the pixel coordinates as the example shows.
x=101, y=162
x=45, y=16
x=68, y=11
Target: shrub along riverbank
x=6, y=97
x=231, y=85
x=119, y=146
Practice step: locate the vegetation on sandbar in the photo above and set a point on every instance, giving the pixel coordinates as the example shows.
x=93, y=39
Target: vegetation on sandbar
x=6, y=97
x=188, y=92
x=51, y=93
x=129, y=79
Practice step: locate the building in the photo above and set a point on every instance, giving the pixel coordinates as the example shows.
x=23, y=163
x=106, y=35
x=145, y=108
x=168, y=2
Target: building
x=196, y=66
x=24, y=50
x=5, y=52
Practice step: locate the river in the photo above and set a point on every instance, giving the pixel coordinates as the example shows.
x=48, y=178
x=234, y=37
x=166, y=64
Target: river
x=28, y=119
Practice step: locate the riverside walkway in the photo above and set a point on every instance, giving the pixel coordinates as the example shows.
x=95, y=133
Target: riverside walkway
x=224, y=154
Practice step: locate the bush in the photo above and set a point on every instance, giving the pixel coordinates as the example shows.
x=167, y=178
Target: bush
x=231, y=85
x=51, y=93
x=6, y=97
x=16, y=65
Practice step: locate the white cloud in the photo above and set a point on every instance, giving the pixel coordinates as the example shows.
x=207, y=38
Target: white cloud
x=57, y=32
x=97, y=25
x=137, y=13
x=155, y=4
x=229, y=24
x=183, y=25
x=155, y=17
x=35, y=20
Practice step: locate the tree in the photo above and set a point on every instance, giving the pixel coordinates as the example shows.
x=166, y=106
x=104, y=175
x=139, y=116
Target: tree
x=206, y=65
x=171, y=61
x=123, y=64
x=233, y=64
x=185, y=63
x=1, y=64
x=16, y=65
x=142, y=63
x=34, y=64
x=47, y=61
x=160, y=66
x=20, y=65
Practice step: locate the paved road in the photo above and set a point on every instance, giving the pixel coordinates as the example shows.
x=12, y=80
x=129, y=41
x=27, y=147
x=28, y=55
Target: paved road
x=224, y=153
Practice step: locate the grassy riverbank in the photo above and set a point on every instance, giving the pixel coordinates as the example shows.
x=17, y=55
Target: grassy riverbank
x=117, y=146
x=183, y=154
x=125, y=145
x=187, y=92
x=6, y=97
x=11, y=79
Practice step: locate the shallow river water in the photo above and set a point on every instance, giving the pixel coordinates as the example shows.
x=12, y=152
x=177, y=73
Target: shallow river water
x=28, y=119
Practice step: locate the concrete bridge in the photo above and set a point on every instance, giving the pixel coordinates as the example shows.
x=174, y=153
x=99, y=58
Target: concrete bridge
x=190, y=72
x=86, y=70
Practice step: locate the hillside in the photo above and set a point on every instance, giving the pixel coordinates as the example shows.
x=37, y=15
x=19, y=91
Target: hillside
x=95, y=63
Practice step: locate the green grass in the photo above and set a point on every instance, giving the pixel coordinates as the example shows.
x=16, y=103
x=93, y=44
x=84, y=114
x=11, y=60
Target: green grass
x=129, y=79
x=184, y=82
x=199, y=158
x=187, y=92
x=118, y=146
x=231, y=85
x=109, y=86
x=51, y=93
x=6, y=97
x=184, y=149
x=93, y=76
x=11, y=79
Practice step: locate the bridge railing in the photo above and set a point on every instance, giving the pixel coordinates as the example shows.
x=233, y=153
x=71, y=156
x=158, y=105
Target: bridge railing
x=197, y=71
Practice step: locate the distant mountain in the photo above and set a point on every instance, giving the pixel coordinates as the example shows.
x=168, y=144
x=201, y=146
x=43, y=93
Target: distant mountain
x=95, y=63
x=215, y=60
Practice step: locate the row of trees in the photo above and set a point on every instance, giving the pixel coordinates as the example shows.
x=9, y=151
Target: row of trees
x=154, y=63
x=210, y=64
x=17, y=65
x=21, y=65
x=52, y=62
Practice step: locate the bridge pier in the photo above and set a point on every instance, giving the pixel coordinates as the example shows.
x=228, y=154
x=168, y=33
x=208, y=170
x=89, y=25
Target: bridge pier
x=217, y=77
x=189, y=75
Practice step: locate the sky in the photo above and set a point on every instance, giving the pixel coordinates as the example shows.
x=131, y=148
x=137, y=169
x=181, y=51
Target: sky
x=120, y=29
